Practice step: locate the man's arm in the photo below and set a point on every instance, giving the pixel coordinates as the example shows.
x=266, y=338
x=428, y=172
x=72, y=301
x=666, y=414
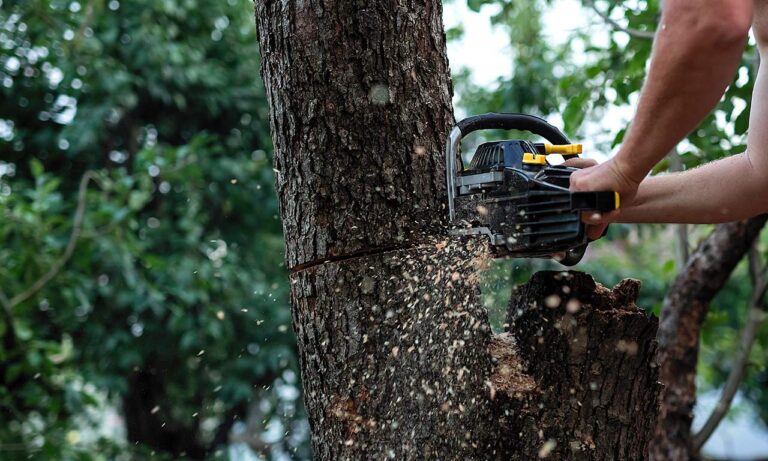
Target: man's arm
x=725, y=190
x=696, y=53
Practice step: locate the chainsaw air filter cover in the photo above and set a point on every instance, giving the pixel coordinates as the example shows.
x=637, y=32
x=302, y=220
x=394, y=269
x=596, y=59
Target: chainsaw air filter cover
x=511, y=194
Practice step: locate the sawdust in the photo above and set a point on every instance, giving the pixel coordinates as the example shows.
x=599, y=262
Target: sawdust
x=508, y=376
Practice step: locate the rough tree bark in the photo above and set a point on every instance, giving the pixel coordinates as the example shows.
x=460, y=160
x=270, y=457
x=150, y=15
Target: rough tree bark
x=590, y=354
x=397, y=357
x=682, y=316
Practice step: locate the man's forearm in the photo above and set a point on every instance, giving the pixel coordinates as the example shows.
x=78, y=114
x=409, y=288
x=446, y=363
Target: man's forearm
x=696, y=53
x=725, y=190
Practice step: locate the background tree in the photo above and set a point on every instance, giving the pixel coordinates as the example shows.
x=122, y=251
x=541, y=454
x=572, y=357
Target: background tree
x=165, y=308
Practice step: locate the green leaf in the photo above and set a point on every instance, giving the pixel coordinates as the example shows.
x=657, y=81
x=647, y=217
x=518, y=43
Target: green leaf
x=619, y=138
x=668, y=267
x=742, y=121
x=476, y=5
x=454, y=33
x=137, y=199
x=36, y=167
x=23, y=332
x=574, y=112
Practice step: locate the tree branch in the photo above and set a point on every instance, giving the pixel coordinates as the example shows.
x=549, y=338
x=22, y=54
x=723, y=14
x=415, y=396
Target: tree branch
x=4, y=301
x=755, y=317
x=77, y=222
x=76, y=42
x=642, y=34
x=74, y=236
x=682, y=315
x=8, y=316
x=756, y=272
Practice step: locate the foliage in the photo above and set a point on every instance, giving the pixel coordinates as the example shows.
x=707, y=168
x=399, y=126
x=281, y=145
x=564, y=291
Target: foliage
x=166, y=309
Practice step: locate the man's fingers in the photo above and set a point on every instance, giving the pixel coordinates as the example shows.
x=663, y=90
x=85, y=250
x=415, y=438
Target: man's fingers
x=595, y=217
x=579, y=162
x=596, y=221
x=596, y=231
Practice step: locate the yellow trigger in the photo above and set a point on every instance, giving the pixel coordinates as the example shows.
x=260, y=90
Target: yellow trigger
x=534, y=159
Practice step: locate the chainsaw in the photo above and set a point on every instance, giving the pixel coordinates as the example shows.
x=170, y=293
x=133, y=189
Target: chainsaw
x=514, y=196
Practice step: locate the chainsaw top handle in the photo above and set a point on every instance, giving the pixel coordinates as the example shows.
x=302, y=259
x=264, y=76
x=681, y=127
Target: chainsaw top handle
x=523, y=122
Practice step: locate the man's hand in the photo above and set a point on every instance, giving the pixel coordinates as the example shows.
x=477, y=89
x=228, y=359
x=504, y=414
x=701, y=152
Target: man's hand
x=606, y=176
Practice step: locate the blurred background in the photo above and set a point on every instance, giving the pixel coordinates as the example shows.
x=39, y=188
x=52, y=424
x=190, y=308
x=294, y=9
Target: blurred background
x=144, y=298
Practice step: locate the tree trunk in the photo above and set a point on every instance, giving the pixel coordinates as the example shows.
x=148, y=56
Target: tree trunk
x=589, y=355
x=360, y=100
x=393, y=340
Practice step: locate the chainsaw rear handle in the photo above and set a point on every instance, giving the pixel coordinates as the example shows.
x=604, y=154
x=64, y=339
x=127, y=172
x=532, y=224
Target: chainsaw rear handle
x=597, y=201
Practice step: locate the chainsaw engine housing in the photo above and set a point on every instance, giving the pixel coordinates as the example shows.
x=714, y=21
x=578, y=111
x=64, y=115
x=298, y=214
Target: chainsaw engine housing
x=526, y=208
x=514, y=196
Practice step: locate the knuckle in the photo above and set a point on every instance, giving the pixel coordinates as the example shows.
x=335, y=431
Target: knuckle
x=576, y=181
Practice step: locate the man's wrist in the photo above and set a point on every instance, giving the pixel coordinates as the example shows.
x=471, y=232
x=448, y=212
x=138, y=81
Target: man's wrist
x=629, y=171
